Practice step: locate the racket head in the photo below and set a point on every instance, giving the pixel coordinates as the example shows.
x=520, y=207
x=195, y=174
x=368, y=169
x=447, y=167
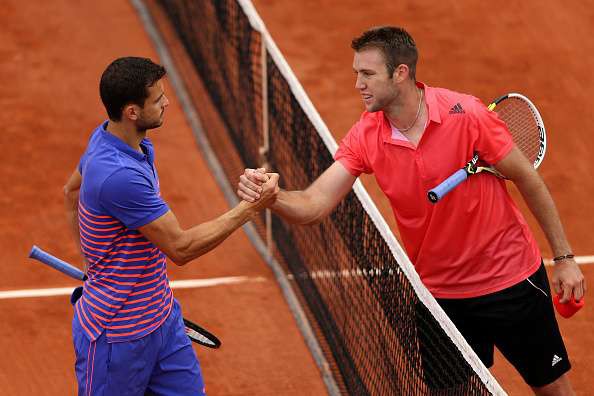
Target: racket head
x=525, y=124
x=200, y=336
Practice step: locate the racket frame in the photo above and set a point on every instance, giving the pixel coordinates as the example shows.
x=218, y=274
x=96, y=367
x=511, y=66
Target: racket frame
x=539, y=123
x=196, y=333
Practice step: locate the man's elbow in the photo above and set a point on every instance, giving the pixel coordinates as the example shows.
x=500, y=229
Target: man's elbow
x=312, y=221
x=527, y=181
x=67, y=192
x=178, y=256
x=70, y=195
x=180, y=251
x=321, y=208
x=309, y=219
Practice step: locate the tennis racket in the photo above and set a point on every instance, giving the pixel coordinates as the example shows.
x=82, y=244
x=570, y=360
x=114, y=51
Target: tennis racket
x=525, y=124
x=196, y=333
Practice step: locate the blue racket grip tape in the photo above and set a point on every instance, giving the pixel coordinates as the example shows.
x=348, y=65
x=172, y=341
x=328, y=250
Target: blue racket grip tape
x=447, y=185
x=62, y=266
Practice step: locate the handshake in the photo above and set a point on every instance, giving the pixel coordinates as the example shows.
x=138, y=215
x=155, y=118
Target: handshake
x=258, y=188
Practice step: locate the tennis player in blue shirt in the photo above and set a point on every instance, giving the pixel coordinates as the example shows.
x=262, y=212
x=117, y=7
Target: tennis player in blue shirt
x=128, y=332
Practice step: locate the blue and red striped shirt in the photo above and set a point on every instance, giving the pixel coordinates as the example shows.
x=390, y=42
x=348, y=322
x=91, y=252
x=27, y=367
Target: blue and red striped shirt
x=127, y=293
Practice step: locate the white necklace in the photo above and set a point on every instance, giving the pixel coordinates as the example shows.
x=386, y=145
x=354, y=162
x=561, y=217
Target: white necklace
x=418, y=113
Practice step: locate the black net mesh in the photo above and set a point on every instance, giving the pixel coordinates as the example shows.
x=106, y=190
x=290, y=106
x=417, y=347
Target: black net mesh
x=377, y=336
x=382, y=338
x=226, y=55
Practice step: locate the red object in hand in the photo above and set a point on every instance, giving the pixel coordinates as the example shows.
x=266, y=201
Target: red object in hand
x=569, y=308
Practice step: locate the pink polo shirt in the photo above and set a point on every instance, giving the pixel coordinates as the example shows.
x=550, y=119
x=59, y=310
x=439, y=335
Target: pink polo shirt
x=475, y=240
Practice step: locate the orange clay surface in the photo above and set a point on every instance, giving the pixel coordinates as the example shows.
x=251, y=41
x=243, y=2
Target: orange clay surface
x=51, y=58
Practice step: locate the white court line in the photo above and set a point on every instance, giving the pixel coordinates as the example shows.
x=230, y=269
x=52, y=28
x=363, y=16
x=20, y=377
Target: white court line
x=198, y=283
x=179, y=284
x=578, y=259
x=369, y=273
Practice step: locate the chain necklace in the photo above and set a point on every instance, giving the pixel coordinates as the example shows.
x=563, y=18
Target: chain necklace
x=418, y=113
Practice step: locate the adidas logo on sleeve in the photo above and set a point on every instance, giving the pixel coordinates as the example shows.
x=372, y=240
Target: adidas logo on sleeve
x=457, y=109
x=556, y=359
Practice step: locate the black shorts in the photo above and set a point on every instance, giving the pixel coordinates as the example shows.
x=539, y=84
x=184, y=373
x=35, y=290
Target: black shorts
x=520, y=322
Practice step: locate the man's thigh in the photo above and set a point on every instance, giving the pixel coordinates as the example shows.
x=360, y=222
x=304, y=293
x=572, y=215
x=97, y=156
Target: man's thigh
x=177, y=371
x=529, y=335
x=521, y=322
x=121, y=368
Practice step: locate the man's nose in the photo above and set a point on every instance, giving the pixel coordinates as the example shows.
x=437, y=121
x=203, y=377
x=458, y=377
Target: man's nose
x=359, y=84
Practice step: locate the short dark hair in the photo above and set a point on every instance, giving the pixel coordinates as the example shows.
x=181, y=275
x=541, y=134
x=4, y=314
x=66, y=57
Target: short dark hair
x=126, y=81
x=397, y=46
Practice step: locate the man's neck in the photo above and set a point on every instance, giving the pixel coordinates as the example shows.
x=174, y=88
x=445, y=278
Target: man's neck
x=404, y=110
x=129, y=134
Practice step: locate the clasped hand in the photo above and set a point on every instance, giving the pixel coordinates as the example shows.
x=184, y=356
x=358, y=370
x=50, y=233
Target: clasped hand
x=257, y=186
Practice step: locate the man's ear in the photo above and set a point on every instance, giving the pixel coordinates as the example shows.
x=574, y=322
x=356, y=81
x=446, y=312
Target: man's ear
x=401, y=73
x=131, y=112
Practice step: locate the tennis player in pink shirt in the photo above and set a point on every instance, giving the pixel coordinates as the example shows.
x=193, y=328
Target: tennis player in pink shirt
x=474, y=250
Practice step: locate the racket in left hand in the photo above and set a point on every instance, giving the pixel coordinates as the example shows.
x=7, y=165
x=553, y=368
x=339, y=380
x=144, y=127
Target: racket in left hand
x=196, y=333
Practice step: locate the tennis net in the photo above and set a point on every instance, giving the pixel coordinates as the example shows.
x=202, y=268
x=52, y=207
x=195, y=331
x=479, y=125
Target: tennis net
x=381, y=332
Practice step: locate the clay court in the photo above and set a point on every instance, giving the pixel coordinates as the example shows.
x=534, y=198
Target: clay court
x=52, y=57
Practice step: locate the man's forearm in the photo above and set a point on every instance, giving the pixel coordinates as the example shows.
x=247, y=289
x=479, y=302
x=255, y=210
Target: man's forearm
x=298, y=207
x=303, y=207
x=182, y=246
x=543, y=208
x=204, y=237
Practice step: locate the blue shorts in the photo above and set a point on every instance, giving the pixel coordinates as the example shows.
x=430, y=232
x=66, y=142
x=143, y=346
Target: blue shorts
x=160, y=363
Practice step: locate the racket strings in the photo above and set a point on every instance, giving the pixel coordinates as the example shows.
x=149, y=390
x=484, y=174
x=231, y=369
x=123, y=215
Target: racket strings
x=523, y=125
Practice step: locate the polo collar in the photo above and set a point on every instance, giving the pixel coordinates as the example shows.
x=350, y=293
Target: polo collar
x=434, y=116
x=125, y=148
x=431, y=101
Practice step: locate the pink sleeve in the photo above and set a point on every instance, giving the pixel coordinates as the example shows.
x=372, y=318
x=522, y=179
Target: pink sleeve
x=350, y=152
x=494, y=141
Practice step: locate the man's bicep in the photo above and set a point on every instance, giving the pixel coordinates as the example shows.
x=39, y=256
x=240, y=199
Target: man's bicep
x=164, y=232
x=515, y=166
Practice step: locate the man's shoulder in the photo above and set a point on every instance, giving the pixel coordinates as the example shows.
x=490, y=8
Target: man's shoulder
x=104, y=158
x=108, y=165
x=369, y=121
x=453, y=103
x=367, y=128
x=449, y=96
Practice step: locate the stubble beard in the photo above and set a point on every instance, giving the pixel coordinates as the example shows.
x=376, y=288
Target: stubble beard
x=375, y=106
x=144, y=125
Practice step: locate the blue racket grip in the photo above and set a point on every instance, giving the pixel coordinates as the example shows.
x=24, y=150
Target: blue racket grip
x=62, y=266
x=447, y=185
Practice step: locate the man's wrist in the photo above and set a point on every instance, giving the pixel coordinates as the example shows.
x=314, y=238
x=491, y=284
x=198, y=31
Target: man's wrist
x=563, y=257
x=248, y=208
